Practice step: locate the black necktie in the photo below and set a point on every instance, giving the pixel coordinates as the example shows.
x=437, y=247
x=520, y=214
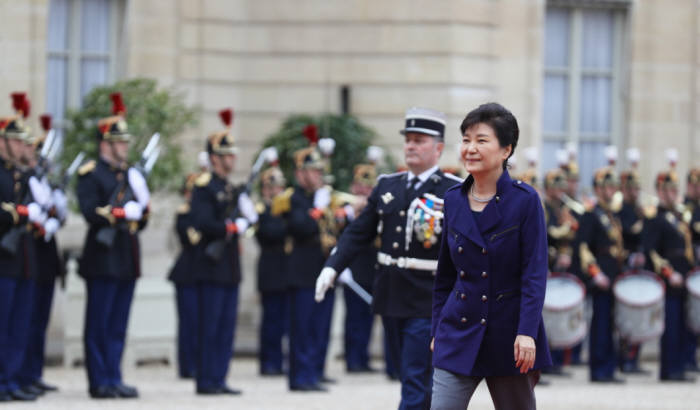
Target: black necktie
x=412, y=184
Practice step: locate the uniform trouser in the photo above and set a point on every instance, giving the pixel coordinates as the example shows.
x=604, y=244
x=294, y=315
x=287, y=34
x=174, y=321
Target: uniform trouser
x=33, y=366
x=322, y=331
x=601, y=347
x=672, y=339
x=453, y=391
x=272, y=330
x=15, y=316
x=390, y=356
x=690, y=346
x=218, y=308
x=358, y=329
x=306, y=318
x=106, y=320
x=187, y=329
x=410, y=337
x=629, y=354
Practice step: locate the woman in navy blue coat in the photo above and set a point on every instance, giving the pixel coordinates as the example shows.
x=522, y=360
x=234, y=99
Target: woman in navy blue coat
x=491, y=277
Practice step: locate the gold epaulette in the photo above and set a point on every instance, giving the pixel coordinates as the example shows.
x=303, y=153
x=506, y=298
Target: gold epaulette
x=282, y=203
x=184, y=208
x=10, y=208
x=260, y=207
x=87, y=167
x=558, y=232
x=203, y=179
x=193, y=235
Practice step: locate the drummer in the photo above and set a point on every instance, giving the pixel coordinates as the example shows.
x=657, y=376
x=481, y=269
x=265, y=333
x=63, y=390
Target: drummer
x=667, y=244
x=561, y=232
x=632, y=219
x=600, y=257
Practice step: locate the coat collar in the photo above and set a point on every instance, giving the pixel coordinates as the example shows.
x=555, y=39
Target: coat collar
x=490, y=216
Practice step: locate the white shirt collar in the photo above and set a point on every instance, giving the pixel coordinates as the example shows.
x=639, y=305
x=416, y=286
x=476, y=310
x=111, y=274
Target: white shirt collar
x=424, y=175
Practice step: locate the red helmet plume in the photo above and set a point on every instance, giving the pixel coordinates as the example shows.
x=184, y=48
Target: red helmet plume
x=45, y=120
x=311, y=133
x=226, y=116
x=118, y=107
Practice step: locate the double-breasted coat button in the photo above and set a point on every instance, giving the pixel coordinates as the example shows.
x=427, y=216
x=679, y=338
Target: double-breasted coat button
x=464, y=320
x=483, y=322
x=460, y=250
x=381, y=212
x=398, y=229
x=402, y=213
x=484, y=274
x=484, y=298
x=395, y=245
x=498, y=198
x=483, y=250
x=461, y=274
x=463, y=296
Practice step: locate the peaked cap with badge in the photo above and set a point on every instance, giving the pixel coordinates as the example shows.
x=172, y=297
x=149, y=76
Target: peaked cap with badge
x=425, y=121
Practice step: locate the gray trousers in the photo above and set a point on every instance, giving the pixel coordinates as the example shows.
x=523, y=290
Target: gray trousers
x=453, y=391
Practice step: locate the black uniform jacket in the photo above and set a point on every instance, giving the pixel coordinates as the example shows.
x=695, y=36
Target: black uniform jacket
x=182, y=272
x=632, y=220
x=213, y=201
x=272, y=264
x=307, y=256
x=97, y=182
x=13, y=188
x=599, y=241
x=397, y=292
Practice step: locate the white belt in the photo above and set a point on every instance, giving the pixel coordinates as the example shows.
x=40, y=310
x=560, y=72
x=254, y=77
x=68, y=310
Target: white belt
x=407, y=263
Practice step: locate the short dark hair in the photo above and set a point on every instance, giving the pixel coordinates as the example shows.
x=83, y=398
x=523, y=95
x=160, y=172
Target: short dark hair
x=497, y=117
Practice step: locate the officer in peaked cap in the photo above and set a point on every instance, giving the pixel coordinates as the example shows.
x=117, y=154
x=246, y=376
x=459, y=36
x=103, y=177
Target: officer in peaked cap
x=222, y=213
x=18, y=213
x=114, y=200
x=600, y=256
x=271, y=234
x=186, y=291
x=409, y=250
x=668, y=248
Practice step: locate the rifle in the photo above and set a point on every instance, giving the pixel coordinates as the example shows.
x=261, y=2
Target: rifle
x=123, y=193
x=215, y=249
x=10, y=240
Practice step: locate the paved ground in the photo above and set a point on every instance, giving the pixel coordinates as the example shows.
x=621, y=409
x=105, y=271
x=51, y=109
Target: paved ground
x=161, y=390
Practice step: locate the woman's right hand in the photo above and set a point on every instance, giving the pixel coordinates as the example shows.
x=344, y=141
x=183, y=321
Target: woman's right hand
x=432, y=344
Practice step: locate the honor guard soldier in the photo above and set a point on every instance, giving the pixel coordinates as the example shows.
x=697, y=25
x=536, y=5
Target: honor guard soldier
x=114, y=200
x=405, y=209
x=272, y=234
x=54, y=204
x=222, y=213
x=666, y=240
x=358, y=313
x=600, y=257
x=632, y=218
x=18, y=213
x=182, y=276
x=692, y=202
x=304, y=208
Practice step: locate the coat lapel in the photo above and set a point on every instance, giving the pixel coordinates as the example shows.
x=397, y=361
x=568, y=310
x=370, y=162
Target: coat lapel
x=461, y=219
x=491, y=215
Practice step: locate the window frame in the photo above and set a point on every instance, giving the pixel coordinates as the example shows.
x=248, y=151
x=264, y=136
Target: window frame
x=575, y=73
x=74, y=54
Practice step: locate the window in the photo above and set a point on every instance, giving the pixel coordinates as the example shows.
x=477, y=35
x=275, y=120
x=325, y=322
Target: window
x=582, y=65
x=81, y=46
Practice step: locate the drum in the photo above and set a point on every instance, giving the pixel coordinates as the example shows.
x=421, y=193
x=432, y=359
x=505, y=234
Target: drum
x=563, y=313
x=693, y=285
x=639, y=306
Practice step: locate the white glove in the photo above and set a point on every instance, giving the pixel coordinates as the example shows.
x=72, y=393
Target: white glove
x=324, y=282
x=40, y=192
x=50, y=228
x=242, y=224
x=35, y=213
x=322, y=198
x=346, y=276
x=247, y=208
x=60, y=202
x=139, y=187
x=349, y=212
x=133, y=211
